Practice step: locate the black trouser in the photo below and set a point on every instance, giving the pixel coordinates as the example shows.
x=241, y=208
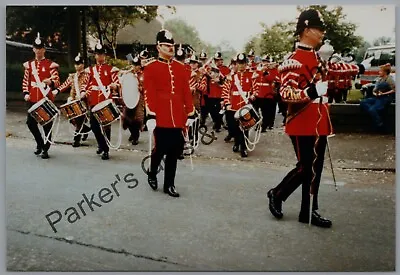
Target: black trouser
x=133, y=125
x=34, y=128
x=214, y=107
x=204, y=110
x=303, y=173
x=101, y=141
x=238, y=134
x=282, y=107
x=194, y=128
x=268, y=110
x=336, y=94
x=168, y=142
x=79, y=124
x=230, y=121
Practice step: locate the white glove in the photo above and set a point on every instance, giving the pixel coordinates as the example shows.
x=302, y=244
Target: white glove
x=26, y=97
x=83, y=94
x=367, y=63
x=189, y=121
x=69, y=99
x=151, y=124
x=321, y=88
x=54, y=92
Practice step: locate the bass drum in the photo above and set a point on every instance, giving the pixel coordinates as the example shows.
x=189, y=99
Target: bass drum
x=130, y=90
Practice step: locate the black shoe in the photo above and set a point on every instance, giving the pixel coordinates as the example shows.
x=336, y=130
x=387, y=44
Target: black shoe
x=271, y=127
x=99, y=151
x=171, y=191
x=235, y=148
x=84, y=137
x=275, y=205
x=152, y=181
x=263, y=130
x=76, y=144
x=181, y=157
x=218, y=130
x=316, y=219
x=130, y=138
x=45, y=155
x=135, y=142
x=228, y=138
x=105, y=156
x=244, y=153
x=38, y=151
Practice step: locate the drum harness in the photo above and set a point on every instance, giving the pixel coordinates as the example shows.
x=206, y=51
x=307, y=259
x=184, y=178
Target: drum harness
x=250, y=145
x=40, y=85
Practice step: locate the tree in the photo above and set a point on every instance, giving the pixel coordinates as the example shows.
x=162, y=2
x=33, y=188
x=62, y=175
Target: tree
x=277, y=40
x=339, y=31
x=383, y=40
x=253, y=44
x=108, y=20
x=185, y=34
x=360, y=51
x=22, y=24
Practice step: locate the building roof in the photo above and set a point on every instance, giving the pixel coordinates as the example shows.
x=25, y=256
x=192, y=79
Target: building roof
x=142, y=32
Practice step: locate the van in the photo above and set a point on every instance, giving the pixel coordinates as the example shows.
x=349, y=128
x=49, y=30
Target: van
x=382, y=55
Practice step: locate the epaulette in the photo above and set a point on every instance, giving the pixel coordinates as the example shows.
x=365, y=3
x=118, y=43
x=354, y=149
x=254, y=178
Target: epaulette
x=87, y=70
x=152, y=61
x=54, y=65
x=289, y=64
x=114, y=69
x=255, y=75
x=71, y=74
x=26, y=65
x=229, y=77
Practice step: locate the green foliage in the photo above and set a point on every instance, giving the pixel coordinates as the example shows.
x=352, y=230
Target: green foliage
x=108, y=20
x=24, y=22
x=278, y=39
x=338, y=30
x=383, y=40
x=119, y=63
x=185, y=34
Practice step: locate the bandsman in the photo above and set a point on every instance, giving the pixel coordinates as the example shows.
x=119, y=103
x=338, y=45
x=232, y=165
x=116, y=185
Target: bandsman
x=40, y=77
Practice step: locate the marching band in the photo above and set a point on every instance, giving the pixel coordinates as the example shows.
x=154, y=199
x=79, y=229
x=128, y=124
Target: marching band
x=176, y=92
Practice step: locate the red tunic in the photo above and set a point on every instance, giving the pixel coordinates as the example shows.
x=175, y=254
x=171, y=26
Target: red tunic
x=311, y=118
x=45, y=69
x=215, y=88
x=108, y=75
x=167, y=93
x=230, y=92
x=266, y=83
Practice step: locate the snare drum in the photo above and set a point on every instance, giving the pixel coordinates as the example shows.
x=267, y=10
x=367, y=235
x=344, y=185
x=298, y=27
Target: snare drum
x=73, y=109
x=106, y=112
x=247, y=117
x=43, y=111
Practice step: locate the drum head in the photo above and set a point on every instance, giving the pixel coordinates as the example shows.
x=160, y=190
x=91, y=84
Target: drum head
x=101, y=105
x=37, y=104
x=130, y=92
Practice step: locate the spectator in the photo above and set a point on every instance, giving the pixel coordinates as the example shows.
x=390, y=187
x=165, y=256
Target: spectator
x=383, y=95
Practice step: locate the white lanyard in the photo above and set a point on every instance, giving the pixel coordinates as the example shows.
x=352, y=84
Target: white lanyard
x=39, y=83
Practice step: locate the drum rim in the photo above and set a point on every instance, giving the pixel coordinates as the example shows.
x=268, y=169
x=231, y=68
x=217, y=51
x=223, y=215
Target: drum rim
x=36, y=105
x=69, y=103
x=101, y=105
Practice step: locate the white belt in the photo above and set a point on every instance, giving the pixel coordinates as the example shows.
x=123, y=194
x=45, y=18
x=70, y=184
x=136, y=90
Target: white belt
x=237, y=92
x=341, y=80
x=36, y=85
x=95, y=88
x=265, y=84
